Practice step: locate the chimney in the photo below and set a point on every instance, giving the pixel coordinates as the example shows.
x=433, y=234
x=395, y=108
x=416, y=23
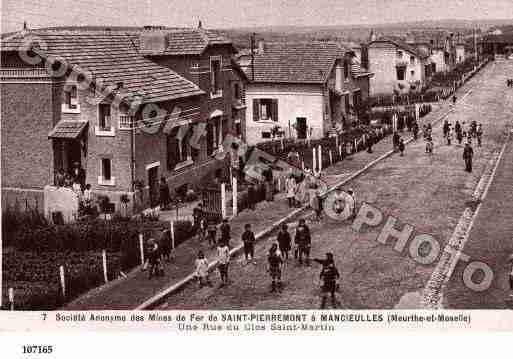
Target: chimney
x=338, y=76
x=261, y=47
x=152, y=41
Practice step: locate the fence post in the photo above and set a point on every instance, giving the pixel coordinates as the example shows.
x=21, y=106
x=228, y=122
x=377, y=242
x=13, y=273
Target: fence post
x=234, y=195
x=172, y=234
x=104, y=262
x=314, y=159
x=141, y=248
x=319, y=153
x=340, y=151
x=11, y=298
x=355, y=146
x=336, y=141
x=63, y=281
x=223, y=200
x=331, y=158
x=302, y=165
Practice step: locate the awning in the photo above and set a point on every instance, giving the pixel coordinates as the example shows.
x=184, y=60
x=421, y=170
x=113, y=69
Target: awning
x=68, y=129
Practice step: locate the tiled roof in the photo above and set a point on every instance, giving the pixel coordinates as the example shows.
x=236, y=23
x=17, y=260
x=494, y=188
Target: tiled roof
x=111, y=57
x=189, y=41
x=305, y=62
x=402, y=45
x=68, y=129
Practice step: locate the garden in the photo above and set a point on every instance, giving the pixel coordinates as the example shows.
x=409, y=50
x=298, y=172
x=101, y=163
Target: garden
x=34, y=250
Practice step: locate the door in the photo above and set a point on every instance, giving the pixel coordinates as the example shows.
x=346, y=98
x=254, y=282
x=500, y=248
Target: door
x=153, y=183
x=301, y=127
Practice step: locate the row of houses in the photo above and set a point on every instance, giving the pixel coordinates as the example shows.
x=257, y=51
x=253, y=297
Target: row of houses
x=132, y=106
x=406, y=65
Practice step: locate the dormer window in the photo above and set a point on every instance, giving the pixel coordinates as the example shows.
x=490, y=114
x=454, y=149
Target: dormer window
x=70, y=100
x=216, y=89
x=104, y=127
x=412, y=60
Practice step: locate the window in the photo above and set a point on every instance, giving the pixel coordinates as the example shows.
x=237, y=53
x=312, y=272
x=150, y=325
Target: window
x=106, y=178
x=106, y=169
x=412, y=60
x=265, y=110
x=70, y=100
x=215, y=77
x=399, y=54
x=357, y=99
x=214, y=135
x=104, y=117
x=179, y=153
x=236, y=91
x=266, y=134
x=401, y=70
x=412, y=73
x=125, y=119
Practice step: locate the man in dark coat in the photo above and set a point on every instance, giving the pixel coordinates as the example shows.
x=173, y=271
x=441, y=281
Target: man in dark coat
x=303, y=242
x=468, y=153
x=284, y=240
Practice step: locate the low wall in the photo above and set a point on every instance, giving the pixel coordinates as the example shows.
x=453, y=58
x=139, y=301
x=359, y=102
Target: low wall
x=60, y=199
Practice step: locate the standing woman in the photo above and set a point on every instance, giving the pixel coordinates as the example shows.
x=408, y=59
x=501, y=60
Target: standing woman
x=291, y=190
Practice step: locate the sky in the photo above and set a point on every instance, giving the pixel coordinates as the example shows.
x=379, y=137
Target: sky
x=243, y=13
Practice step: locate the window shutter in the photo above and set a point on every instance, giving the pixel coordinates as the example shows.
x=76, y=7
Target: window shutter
x=274, y=110
x=256, y=110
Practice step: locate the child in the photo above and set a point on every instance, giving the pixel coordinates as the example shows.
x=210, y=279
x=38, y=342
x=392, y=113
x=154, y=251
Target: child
x=284, y=241
x=401, y=146
x=202, y=270
x=275, y=262
x=203, y=229
x=212, y=231
x=223, y=253
x=248, y=238
x=225, y=232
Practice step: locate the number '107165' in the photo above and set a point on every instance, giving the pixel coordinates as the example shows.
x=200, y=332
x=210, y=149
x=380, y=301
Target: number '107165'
x=37, y=349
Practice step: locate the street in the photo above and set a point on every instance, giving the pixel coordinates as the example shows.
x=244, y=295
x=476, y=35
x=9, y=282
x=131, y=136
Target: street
x=427, y=192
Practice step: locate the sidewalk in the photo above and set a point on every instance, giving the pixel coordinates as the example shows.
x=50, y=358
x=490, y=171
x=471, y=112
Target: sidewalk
x=128, y=293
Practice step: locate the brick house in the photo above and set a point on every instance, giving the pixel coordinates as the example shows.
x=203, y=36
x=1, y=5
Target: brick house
x=302, y=89
x=126, y=116
x=397, y=66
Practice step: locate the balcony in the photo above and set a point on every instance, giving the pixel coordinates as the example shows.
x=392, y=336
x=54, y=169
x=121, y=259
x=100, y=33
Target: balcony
x=23, y=73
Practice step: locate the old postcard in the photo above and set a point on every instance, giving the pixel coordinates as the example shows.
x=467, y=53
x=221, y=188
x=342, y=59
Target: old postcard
x=245, y=167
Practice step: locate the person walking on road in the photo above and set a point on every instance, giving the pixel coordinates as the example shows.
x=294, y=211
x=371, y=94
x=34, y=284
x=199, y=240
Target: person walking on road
x=329, y=276
x=284, y=241
x=154, y=259
x=248, y=238
x=468, y=154
x=303, y=242
x=201, y=272
x=395, y=140
x=252, y=197
x=223, y=254
x=275, y=263
x=401, y=146
x=291, y=186
x=479, y=134
x=225, y=232
x=212, y=232
x=448, y=137
x=415, y=130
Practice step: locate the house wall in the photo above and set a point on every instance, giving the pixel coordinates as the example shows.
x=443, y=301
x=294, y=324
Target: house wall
x=460, y=53
x=438, y=58
x=293, y=101
x=382, y=62
x=196, y=68
x=28, y=115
